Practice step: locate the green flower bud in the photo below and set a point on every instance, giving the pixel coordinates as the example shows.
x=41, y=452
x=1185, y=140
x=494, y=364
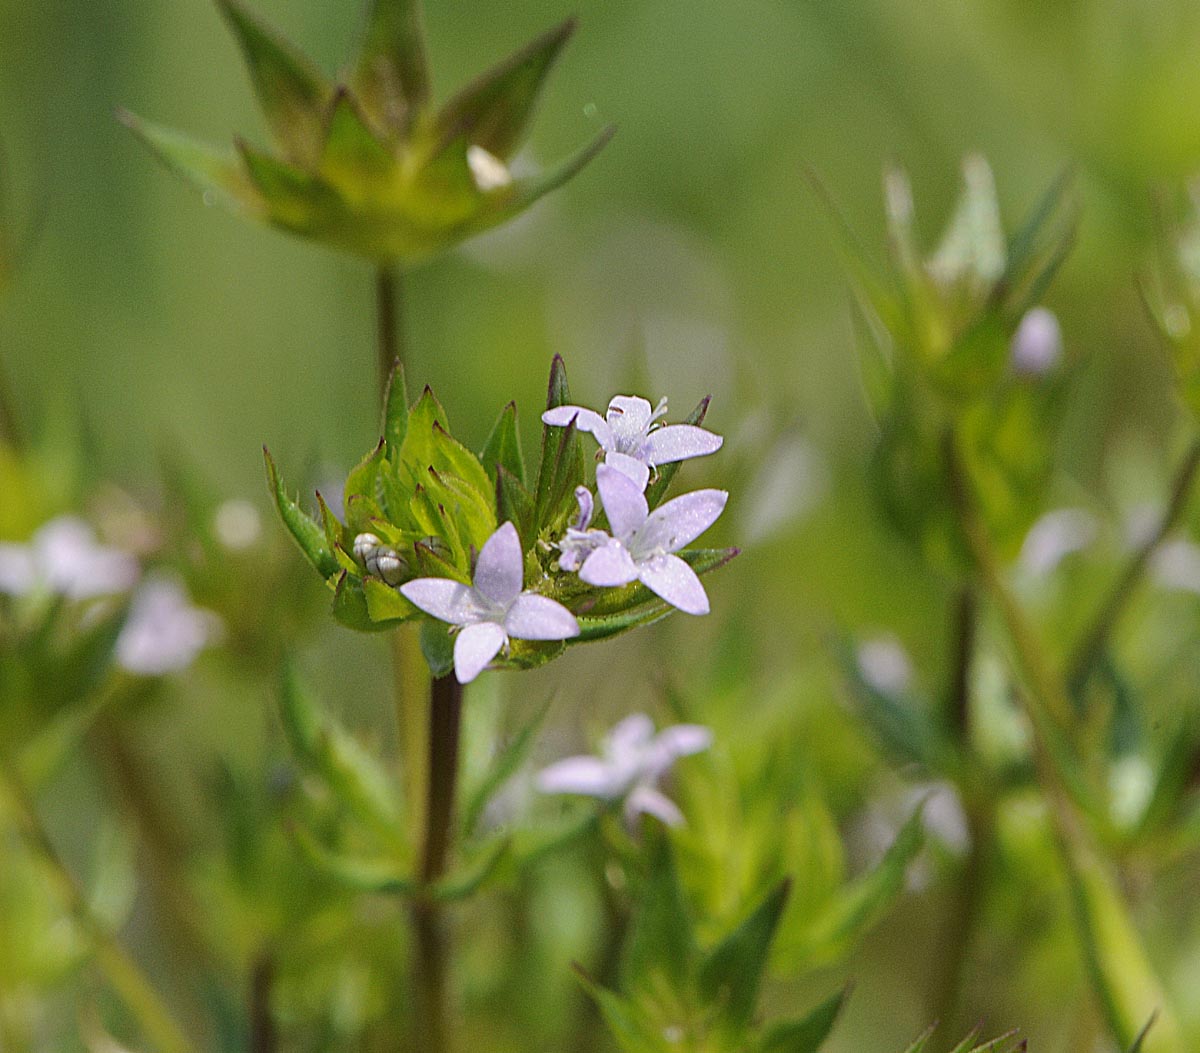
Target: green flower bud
x=370, y=167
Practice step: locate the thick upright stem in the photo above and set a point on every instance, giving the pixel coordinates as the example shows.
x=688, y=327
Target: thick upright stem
x=130, y=983
x=389, y=314
x=1094, y=640
x=431, y=965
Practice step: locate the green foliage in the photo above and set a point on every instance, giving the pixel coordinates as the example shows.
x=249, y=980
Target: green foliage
x=936, y=335
x=685, y=996
x=369, y=167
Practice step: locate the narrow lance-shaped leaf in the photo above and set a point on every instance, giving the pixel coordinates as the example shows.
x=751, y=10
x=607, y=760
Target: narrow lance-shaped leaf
x=309, y=534
x=392, y=75
x=515, y=505
x=211, y=171
x=351, y=155
x=503, y=447
x=528, y=189
x=662, y=941
x=357, y=875
x=493, y=111
x=807, y=1034
x=657, y=490
x=730, y=976
x=561, y=448
x=633, y=1033
x=395, y=410
x=292, y=92
x=295, y=199
x=511, y=756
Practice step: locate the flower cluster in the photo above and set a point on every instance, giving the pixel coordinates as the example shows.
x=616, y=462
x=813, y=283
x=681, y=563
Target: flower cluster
x=162, y=633
x=516, y=566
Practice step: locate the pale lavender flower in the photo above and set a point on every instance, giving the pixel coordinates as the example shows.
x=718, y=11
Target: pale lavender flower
x=884, y=664
x=1054, y=537
x=632, y=440
x=63, y=558
x=581, y=539
x=632, y=761
x=493, y=608
x=1037, y=344
x=643, y=542
x=163, y=632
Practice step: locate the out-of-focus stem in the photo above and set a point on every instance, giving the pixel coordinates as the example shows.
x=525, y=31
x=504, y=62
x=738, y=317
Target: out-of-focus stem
x=1092, y=645
x=264, y=1038
x=127, y=979
x=431, y=967
x=389, y=317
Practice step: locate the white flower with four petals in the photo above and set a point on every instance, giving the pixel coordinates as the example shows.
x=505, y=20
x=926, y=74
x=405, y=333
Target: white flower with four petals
x=632, y=440
x=643, y=543
x=493, y=608
x=632, y=761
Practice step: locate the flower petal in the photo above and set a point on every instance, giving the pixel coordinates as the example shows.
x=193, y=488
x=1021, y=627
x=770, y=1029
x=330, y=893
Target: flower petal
x=585, y=775
x=679, y=521
x=609, y=566
x=675, y=582
x=629, y=416
x=629, y=738
x=585, y=420
x=638, y=472
x=475, y=646
x=681, y=740
x=678, y=442
x=587, y=506
x=624, y=503
x=446, y=600
x=534, y=617
x=648, y=801
x=500, y=569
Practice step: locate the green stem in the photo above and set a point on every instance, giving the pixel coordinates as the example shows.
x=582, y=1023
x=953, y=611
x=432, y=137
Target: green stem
x=123, y=973
x=1095, y=639
x=432, y=958
x=389, y=315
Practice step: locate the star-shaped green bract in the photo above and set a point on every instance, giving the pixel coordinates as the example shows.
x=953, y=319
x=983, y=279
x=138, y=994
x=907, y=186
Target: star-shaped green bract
x=369, y=166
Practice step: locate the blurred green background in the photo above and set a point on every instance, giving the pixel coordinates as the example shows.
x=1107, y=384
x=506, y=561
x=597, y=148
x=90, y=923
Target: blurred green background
x=689, y=258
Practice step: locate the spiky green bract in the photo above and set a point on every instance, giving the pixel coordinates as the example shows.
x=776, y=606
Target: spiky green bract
x=432, y=504
x=370, y=167
x=1006, y=1043
x=936, y=335
x=679, y=991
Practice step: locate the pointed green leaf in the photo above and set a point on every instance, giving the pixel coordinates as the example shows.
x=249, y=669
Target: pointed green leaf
x=392, y=75
x=325, y=749
x=859, y=905
x=292, y=92
x=395, y=411
x=633, y=1033
x=503, y=447
x=309, y=535
x=437, y=647
x=730, y=976
x=515, y=505
x=657, y=489
x=662, y=942
x=295, y=199
x=364, y=481
x=922, y=1040
x=384, y=603
x=493, y=111
x=464, y=883
x=807, y=1034
x=350, y=605
x=511, y=756
x=451, y=457
x=211, y=171
x=352, y=158
x=357, y=875
x=527, y=190
x=1141, y=1038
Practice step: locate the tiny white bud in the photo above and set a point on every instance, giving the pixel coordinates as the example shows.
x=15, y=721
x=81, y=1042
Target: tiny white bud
x=488, y=171
x=386, y=563
x=1037, y=343
x=364, y=545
